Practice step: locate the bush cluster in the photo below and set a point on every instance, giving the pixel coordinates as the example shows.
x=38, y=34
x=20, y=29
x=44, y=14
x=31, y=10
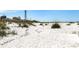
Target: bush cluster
x=13, y=33
x=69, y=24
x=41, y=24
x=46, y=24
x=77, y=23
x=3, y=33
x=3, y=28
x=23, y=25
x=56, y=25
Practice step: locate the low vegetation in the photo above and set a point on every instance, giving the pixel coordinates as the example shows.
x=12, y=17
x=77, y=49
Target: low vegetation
x=3, y=33
x=46, y=24
x=77, y=23
x=41, y=24
x=23, y=25
x=4, y=28
x=13, y=33
x=56, y=25
x=69, y=24
x=74, y=32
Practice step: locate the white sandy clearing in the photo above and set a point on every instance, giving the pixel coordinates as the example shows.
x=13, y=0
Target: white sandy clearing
x=41, y=37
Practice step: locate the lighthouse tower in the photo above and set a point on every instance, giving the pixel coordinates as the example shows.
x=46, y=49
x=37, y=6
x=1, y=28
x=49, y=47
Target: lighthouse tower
x=25, y=14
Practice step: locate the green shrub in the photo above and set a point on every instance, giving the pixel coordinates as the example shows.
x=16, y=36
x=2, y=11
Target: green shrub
x=7, y=28
x=74, y=32
x=10, y=22
x=68, y=24
x=2, y=24
x=14, y=33
x=24, y=25
x=77, y=23
x=56, y=25
x=71, y=22
x=19, y=25
x=4, y=27
x=35, y=21
x=3, y=33
x=46, y=24
x=41, y=24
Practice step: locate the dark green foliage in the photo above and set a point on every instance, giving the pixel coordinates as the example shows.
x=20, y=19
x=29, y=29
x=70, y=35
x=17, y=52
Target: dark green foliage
x=56, y=25
x=4, y=27
x=19, y=25
x=13, y=32
x=74, y=32
x=17, y=18
x=41, y=24
x=3, y=17
x=77, y=23
x=3, y=33
x=35, y=21
x=69, y=24
x=24, y=25
x=45, y=24
x=7, y=28
x=10, y=22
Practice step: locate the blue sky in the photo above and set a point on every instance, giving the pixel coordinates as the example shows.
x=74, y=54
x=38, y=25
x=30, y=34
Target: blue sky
x=45, y=15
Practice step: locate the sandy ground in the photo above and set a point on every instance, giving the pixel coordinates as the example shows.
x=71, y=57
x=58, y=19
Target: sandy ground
x=42, y=37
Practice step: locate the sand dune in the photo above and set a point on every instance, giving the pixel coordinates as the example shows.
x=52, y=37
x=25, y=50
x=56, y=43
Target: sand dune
x=42, y=36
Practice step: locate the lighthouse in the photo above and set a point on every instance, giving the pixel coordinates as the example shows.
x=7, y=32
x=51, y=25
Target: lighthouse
x=25, y=14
